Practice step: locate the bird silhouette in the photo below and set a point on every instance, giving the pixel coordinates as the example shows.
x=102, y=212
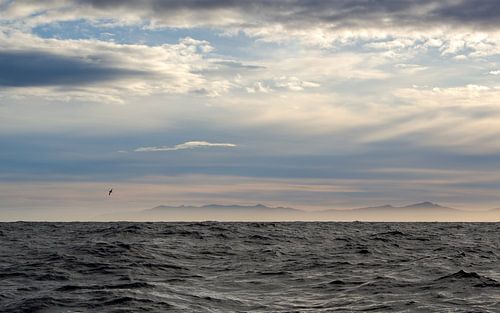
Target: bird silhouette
x=110, y=191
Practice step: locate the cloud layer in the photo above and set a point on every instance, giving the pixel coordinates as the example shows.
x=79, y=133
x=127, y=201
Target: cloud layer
x=340, y=14
x=30, y=69
x=94, y=67
x=322, y=23
x=185, y=146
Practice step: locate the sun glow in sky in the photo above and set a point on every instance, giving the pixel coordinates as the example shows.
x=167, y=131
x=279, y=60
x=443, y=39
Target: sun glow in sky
x=310, y=104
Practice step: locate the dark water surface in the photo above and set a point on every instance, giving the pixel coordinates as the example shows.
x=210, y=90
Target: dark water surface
x=249, y=267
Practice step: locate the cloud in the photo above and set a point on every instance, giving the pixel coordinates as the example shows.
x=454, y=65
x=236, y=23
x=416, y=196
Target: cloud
x=284, y=83
x=259, y=87
x=237, y=65
x=396, y=27
x=31, y=68
x=340, y=14
x=410, y=68
x=294, y=84
x=185, y=146
x=98, y=70
x=313, y=22
x=469, y=95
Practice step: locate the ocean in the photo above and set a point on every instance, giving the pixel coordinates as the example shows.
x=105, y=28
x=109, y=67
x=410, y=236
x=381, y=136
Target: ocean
x=249, y=267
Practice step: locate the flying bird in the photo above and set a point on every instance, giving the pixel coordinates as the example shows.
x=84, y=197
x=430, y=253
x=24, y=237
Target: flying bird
x=110, y=192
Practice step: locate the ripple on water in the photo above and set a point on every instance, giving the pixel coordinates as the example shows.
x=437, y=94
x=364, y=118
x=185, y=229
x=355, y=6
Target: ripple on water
x=250, y=267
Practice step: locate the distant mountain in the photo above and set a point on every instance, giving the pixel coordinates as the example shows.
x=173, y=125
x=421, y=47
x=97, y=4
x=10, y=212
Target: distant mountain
x=426, y=205
x=416, y=206
x=422, y=211
x=223, y=212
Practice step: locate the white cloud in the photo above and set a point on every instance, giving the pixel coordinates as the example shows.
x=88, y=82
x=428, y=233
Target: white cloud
x=410, y=68
x=259, y=87
x=165, y=69
x=284, y=82
x=381, y=25
x=468, y=95
x=185, y=146
x=462, y=119
x=294, y=84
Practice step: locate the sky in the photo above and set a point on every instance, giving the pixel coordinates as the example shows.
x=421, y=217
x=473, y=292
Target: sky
x=310, y=104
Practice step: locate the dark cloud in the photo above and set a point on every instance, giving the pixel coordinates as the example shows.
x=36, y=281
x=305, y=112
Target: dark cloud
x=28, y=68
x=484, y=12
x=339, y=13
x=166, y=4
x=238, y=65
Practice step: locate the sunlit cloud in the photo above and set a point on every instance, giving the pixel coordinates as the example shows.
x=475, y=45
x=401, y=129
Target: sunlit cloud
x=186, y=146
x=386, y=25
x=87, y=68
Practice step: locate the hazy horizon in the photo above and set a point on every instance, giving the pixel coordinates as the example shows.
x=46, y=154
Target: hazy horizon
x=306, y=104
x=415, y=212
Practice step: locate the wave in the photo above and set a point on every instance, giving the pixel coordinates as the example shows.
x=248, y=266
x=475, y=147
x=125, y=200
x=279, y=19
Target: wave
x=469, y=277
x=248, y=267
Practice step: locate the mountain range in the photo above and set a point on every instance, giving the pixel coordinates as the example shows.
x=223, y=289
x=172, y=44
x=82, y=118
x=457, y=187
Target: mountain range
x=422, y=211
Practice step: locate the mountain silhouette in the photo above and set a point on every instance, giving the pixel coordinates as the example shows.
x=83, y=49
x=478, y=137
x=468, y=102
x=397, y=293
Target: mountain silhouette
x=223, y=213
x=426, y=205
x=421, y=211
